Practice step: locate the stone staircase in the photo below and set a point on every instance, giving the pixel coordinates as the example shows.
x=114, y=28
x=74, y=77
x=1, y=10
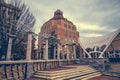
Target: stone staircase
x=82, y=72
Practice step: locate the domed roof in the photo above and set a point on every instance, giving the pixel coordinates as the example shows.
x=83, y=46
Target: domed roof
x=58, y=14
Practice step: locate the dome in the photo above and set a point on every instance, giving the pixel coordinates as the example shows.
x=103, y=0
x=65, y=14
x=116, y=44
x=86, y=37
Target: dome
x=58, y=14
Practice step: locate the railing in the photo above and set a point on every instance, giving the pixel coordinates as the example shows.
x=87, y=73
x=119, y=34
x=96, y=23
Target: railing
x=24, y=69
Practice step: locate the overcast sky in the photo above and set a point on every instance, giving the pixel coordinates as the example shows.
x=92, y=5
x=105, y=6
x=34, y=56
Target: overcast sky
x=91, y=17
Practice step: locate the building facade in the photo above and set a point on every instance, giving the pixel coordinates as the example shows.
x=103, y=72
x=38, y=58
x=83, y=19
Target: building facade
x=63, y=29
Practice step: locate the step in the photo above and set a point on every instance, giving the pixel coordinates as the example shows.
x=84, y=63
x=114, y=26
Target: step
x=77, y=76
x=87, y=76
x=55, y=74
x=79, y=67
x=76, y=73
x=92, y=76
x=60, y=76
x=51, y=72
x=62, y=73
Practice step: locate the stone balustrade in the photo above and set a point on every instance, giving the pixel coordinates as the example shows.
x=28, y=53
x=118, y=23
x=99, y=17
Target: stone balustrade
x=23, y=69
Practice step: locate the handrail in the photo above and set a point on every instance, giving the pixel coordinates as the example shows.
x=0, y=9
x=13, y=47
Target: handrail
x=28, y=61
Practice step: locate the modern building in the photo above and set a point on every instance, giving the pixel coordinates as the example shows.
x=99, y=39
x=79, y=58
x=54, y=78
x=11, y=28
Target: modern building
x=64, y=30
x=107, y=46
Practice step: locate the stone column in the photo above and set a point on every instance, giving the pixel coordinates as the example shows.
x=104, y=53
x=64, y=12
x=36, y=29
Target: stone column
x=45, y=55
x=68, y=53
x=37, y=55
x=84, y=54
x=62, y=52
x=54, y=52
x=119, y=54
x=29, y=46
x=109, y=54
x=114, y=54
x=58, y=51
x=8, y=57
x=95, y=55
x=74, y=51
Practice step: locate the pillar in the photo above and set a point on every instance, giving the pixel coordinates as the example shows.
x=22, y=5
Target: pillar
x=114, y=54
x=68, y=53
x=84, y=56
x=54, y=52
x=109, y=54
x=8, y=57
x=74, y=51
x=40, y=55
x=29, y=46
x=119, y=54
x=96, y=55
x=62, y=52
x=45, y=54
x=37, y=55
x=58, y=51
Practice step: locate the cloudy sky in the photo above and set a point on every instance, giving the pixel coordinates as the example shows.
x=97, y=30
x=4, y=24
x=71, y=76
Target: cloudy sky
x=92, y=17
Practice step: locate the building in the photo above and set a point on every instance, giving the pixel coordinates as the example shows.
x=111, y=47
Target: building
x=64, y=30
x=107, y=46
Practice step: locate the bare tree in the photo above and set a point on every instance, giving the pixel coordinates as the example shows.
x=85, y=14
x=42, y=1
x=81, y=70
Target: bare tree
x=15, y=19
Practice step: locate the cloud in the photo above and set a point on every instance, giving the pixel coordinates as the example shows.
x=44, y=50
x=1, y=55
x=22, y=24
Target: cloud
x=83, y=26
x=92, y=17
x=92, y=34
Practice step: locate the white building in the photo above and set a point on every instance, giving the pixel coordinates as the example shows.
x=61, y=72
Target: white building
x=107, y=46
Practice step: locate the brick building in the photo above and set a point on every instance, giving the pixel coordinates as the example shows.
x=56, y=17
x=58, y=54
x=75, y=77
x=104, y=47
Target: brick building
x=64, y=29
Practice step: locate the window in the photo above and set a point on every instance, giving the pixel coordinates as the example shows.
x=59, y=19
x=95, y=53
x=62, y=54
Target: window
x=73, y=28
x=69, y=27
x=65, y=25
x=4, y=9
x=65, y=35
